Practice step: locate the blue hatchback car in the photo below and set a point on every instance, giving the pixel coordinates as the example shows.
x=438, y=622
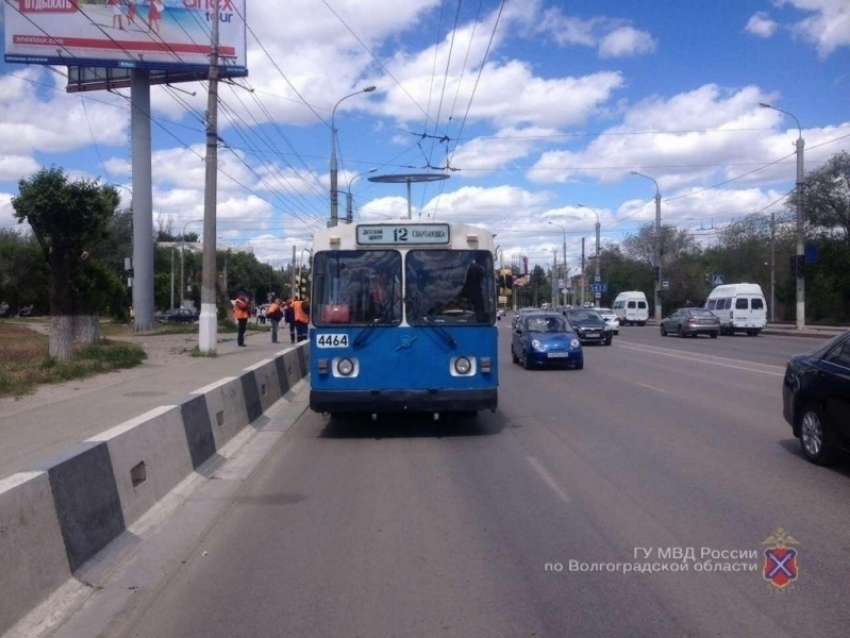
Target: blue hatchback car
x=545, y=339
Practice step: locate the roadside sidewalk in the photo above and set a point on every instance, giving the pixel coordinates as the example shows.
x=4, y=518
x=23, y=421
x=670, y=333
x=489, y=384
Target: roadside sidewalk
x=817, y=332
x=789, y=330
x=38, y=426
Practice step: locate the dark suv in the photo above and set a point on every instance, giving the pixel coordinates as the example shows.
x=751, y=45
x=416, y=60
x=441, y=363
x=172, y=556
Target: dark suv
x=589, y=326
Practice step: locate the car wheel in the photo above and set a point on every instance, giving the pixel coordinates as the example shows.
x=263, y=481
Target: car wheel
x=525, y=362
x=680, y=332
x=714, y=335
x=579, y=366
x=813, y=435
x=608, y=341
x=663, y=330
x=514, y=358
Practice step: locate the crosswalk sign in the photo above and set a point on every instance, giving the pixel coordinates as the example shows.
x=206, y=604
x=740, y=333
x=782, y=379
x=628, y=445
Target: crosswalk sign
x=717, y=279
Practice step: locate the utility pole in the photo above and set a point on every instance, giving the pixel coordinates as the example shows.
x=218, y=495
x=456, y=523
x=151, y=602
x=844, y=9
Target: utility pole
x=772, y=268
x=292, y=289
x=208, y=321
x=554, y=277
x=582, y=271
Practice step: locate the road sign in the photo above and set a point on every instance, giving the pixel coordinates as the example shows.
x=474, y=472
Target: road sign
x=597, y=295
x=597, y=278
x=599, y=287
x=665, y=284
x=717, y=279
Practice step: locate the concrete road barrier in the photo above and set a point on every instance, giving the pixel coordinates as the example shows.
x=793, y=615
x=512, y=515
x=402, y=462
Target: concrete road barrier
x=54, y=519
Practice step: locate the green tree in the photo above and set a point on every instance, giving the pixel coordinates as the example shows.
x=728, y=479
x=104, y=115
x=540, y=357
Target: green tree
x=20, y=253
x=826, y=196
x=68, y=220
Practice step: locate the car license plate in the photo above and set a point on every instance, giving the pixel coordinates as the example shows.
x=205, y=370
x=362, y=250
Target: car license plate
x=557, y=355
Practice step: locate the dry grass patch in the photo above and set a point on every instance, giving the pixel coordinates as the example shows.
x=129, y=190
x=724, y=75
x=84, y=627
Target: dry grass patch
x=25, y=364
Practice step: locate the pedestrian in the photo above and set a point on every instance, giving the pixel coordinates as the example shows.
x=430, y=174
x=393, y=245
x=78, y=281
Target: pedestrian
x=241, y=312
x=289, y=318
x=301, y=309
x=117, y=15
x=155, y=9
x=275, y=314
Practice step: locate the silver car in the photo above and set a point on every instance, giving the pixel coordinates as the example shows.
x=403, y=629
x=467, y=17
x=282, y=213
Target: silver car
x=691, y=322
x=611, y=320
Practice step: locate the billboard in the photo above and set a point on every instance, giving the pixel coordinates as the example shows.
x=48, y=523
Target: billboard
x=151, y=34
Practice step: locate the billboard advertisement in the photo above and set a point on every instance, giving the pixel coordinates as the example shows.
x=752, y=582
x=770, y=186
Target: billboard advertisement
x=152, y=34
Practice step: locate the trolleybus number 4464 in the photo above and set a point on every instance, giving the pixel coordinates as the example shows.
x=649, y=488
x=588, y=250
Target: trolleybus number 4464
x=332, y=341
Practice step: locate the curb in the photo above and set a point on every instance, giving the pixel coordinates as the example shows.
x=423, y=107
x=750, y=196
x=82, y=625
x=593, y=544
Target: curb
x=63, y=512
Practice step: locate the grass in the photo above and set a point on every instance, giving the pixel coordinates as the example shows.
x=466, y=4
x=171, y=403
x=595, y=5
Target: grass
x=25, y=363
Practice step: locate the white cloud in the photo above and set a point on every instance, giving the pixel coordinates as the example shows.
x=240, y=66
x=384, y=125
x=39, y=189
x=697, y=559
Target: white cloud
x=614, y=37
x=682, y=139
x=626, y=41
x=7, y=219
x=52, y=121
x=761, y=25
x=15, y=167
x=828, y=27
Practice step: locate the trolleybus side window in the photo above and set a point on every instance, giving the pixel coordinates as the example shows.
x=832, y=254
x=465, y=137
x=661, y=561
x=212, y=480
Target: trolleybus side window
x=450, y=286
x=357, y=287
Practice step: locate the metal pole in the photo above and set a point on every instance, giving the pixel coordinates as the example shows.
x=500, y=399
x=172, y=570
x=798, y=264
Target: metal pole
x=554, y=276
x=657, y=254
x=409, y=210
x=772, y=267
x=292, y=290
x=801, y=249
x=582, y=271
x=334, y=220
x=172, y=277
x=140, y=125
x=597, y=278
x=208, y=321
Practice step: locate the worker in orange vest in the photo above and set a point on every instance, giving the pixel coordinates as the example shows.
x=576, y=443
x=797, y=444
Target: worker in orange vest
x=241, y=312
x=301, y=310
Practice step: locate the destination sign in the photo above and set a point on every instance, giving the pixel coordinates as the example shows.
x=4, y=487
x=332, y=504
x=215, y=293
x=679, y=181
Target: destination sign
x=394, y=234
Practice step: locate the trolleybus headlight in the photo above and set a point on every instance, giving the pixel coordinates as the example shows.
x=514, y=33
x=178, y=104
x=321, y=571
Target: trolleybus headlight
x=575, y=343
x=345, y=367
x=536, y=345
x=463, y=365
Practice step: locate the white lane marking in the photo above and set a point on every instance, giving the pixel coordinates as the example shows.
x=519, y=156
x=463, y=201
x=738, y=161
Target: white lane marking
x=650, y=387
x=548, y=479
x=779, y=371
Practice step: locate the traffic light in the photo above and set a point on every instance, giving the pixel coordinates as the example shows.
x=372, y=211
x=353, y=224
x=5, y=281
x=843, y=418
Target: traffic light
x=656, y=273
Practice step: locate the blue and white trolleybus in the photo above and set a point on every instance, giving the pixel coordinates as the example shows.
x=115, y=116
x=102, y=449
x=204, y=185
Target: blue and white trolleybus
x=403, y=319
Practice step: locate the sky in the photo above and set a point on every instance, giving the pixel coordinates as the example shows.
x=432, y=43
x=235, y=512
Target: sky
x=538, y=111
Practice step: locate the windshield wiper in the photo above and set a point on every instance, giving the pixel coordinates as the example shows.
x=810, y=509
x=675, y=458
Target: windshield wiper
x=425, y=319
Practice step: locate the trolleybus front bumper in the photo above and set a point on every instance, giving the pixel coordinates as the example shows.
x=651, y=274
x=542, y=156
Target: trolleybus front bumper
x=383, y=401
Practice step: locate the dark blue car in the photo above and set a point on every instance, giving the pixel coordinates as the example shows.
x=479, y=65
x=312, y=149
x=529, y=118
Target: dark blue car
x=816, y=399
x=545, y=339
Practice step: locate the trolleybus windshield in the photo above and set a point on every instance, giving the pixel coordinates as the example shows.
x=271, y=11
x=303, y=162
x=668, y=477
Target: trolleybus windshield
x=450, y=286
x=357, y=287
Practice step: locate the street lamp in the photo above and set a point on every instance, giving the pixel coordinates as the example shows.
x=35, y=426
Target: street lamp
x=597, y=278
x=349, y=213
x=334, y=194
x=657, y=273
x=801, y=251
x=564, y=256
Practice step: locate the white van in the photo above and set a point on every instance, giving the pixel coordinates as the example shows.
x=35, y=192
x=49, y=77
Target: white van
x=631, y=307
x=741, y=308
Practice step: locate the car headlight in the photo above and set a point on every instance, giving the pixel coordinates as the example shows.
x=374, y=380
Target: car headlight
x=463, y=365
x=536, y=345
x=575, y=343
x=345, y=367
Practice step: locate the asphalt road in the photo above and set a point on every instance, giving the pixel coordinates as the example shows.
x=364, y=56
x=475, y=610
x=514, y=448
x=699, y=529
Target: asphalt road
x=467, y=529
